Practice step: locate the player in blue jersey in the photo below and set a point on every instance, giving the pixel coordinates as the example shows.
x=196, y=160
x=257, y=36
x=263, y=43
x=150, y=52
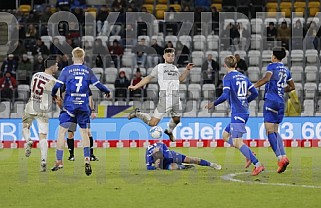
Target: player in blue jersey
x=76, y=78
x=277, y=80
x=235, y=90
x=158, y=156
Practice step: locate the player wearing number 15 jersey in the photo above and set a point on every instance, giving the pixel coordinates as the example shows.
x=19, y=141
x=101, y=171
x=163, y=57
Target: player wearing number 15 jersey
x=235, y=90
x=76, y=78
x=36, y=109
x=276, y=78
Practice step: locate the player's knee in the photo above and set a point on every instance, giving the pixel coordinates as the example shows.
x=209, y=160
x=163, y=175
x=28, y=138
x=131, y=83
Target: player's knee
x=192, y=160
x=26, y=125
x=70, y=135
x=152, y=123
x=238, y=142
x=225, y=136
x=176, y=120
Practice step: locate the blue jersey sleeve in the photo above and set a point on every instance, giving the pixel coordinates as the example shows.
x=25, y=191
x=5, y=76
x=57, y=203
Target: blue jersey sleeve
x=59, y=82
x=289, y=76
x=270, y=68
x=226, y=92
x=149, y=161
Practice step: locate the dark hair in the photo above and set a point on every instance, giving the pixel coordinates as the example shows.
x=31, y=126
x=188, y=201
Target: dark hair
x=279, y=53
x=157, y=155
x=169, y=50
x=50, y=61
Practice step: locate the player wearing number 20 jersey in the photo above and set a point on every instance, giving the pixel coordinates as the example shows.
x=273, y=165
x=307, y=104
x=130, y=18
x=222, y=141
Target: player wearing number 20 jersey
x=235, y=90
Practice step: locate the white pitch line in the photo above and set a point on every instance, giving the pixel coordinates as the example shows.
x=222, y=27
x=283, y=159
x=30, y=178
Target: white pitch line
x=230, y=177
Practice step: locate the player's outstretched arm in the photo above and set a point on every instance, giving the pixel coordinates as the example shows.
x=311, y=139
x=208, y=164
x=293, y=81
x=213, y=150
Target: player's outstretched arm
x=142, y=83
x=186, y=72
x=264, y=80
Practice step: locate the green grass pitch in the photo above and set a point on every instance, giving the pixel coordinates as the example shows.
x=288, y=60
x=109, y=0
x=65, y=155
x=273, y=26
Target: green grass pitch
x=120, y=179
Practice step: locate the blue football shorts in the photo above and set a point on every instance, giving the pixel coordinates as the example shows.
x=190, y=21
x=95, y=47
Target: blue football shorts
x=237, y=126
x=273, y=112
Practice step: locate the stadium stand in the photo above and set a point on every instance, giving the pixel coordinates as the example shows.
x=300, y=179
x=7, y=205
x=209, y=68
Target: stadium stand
x=303, y=60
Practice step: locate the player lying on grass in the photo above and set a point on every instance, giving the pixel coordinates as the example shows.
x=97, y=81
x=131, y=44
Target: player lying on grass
x=235, y=90
x=158, y=156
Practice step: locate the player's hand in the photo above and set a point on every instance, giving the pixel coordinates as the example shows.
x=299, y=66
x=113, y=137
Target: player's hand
x=93, y=115
x=132, y=88
x=58, y=101
x=157, y=164
x=189, y=66
x=209, y=105
x=107, y=95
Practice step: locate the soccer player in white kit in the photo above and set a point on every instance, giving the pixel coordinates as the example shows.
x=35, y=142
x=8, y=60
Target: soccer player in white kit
x=169, y=79
x=37, y=108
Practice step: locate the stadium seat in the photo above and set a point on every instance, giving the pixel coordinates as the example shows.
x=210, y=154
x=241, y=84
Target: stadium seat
x=204, y=113
x=195, y=75
x=311, y=56
x=159, y=38
x=309, y=108
x=177, y=7
x=297, y=72
x=256, y=41
x=183, y=91
x=224, y=54
x=254, y=74
x=256, y=25
x=47, y=40
x=241, y=53
x=191, y=106
x=208, y=91
x=285, y=60
x=104, y=39
x=98, y=72
x=194, y=91
x=24, y=8
x=286, y=7
x=61, y=39
x=299, y=8
x=127, y=60
x=299, y=89
x=171, y=38
x=160, y=14
x=270, y=19
x=297, y=57
x=5, y=108
x=245, y=23
x=185, y=40
x=314, y=19
x=199, y=42
x=311, y=73
x=120, y=103
x=314, y=7
x=114, y=37
x=212, y=42
x=310, y=90
x=90, y=39
x=254, y=58
x=149, y=7
x=23, y=92
x=147, y=39
x=128, y=71
x=110, y=75
x=18, y=109
x=266, y=57
x=197, y=58
x=214, y=54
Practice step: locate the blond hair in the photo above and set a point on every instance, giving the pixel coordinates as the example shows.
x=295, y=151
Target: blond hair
x=78, y=53
x=230, y=61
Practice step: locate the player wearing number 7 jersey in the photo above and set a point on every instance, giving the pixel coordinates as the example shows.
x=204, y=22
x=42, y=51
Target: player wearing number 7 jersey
x=76, y=78
x=275, y=80
x=36, y=109
x=235, y=90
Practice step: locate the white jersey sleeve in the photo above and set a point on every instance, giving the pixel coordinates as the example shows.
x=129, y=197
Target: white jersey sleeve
x=154, y=72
